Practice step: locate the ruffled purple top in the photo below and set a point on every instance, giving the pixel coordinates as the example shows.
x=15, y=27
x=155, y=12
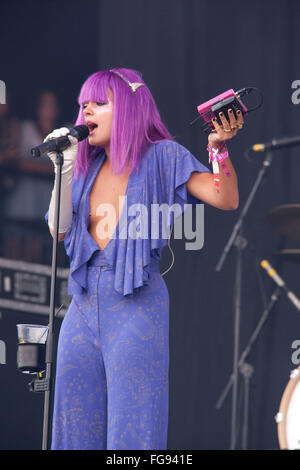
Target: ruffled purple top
x=165, y=168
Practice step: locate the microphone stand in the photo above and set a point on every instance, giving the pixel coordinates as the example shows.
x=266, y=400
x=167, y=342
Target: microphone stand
x=46, y=384
x=247, y=369
x=240, y=243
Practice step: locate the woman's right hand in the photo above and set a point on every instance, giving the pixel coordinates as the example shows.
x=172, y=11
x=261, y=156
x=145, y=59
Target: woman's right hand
x=69, y=154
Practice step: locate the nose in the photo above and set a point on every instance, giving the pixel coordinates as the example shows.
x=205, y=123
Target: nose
x=88, y=109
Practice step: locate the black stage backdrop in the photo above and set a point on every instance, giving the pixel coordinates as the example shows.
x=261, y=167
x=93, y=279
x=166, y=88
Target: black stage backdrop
x=189, y=51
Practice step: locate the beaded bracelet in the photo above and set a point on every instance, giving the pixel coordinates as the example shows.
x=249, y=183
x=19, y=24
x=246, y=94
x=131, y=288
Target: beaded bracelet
x=217, y=156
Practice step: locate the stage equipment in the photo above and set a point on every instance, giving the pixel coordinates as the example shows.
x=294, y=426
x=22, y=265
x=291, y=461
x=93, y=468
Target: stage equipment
x=56, y=146
x=25, y=287
x=287, y=418
x=277, y=144
x=247, y=370
x=237, y=240
x=24, y=299
x=286, y=219
x=31, y=347
x=222, y=103
x=290, y=255
x=280, y=282
x=60, y=143
x=46, y=383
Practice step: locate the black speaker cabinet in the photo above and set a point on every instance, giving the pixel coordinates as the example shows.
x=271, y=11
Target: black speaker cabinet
x=24, y=298
x=21, y=410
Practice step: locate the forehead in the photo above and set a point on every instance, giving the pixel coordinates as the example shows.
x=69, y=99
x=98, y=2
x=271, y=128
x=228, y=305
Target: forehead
x=108, y=99
x=95, y=90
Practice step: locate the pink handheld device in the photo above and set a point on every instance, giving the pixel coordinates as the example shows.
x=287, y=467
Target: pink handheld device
x=222, y=103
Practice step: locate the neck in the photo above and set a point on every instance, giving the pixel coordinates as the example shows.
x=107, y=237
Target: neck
x=107, y=153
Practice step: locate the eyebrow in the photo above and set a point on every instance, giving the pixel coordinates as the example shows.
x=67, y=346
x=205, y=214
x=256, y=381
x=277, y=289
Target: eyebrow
x=92, y=101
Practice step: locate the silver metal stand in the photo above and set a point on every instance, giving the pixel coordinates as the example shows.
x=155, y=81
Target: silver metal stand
x=48, y=380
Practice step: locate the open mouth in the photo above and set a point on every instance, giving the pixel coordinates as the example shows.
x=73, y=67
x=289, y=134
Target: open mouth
x=91, y=126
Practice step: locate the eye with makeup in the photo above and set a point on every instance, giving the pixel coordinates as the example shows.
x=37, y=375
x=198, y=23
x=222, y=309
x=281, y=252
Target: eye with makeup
x=98, y=103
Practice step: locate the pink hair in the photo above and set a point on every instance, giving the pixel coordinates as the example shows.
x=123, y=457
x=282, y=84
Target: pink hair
x=136, y=120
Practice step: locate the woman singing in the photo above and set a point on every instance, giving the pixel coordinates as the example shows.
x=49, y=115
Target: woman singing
x=111, y=387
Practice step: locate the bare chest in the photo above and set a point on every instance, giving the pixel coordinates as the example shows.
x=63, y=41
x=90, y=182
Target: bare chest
x=106, y=202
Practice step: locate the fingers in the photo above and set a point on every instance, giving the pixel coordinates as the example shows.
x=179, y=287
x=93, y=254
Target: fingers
x=224, y=129
x=57, y=133
x=225, y=123
x=232, y=120
x=73, y=140
x=217, y=126
x=235, y=123
x=240, y=119
x=228, y=128
x=230, y=125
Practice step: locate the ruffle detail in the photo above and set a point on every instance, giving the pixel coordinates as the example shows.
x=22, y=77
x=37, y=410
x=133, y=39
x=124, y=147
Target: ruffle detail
x=79, y=244
x=164, y=170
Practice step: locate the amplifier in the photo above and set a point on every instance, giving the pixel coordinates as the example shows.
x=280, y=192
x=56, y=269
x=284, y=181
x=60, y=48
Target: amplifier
x=24, y=298
x=26, y=287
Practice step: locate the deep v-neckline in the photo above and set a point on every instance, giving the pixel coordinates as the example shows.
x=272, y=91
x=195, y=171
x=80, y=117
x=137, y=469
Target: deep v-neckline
x=93, y=179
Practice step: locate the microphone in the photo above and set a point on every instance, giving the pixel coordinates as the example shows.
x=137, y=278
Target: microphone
x=277, y=144
x=60, y=143
x=273, y=274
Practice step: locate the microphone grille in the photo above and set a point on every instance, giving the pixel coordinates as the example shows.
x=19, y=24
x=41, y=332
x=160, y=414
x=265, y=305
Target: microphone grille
x=80, y=132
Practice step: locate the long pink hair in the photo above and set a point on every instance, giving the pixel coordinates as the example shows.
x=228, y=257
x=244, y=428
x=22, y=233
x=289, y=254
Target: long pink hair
x=136, y=120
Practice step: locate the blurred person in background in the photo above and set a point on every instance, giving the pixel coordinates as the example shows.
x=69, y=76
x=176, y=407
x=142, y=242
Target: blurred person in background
x=32, y=180
x=9, y=146
x=9, y=134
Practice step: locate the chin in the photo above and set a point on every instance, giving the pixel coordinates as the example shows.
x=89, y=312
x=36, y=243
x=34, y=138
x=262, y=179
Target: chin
x=94, y=142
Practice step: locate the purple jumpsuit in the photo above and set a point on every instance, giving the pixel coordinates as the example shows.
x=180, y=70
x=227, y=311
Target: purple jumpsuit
x=112, y=388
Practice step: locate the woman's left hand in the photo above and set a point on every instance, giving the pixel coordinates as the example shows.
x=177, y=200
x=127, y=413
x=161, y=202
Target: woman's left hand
x=228, y=129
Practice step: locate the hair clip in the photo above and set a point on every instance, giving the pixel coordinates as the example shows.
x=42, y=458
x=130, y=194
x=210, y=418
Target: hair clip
x=133, y=85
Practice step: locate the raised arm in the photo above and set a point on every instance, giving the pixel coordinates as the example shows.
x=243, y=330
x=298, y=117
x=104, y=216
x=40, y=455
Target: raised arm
x=66, y=210
x=202, y=186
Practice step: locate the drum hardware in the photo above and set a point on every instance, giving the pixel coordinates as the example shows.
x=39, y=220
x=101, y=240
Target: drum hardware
x=239, y=242
x=286, y=219
x=246, y=369
x=287, y=422
x=292, y=255
x=287, y=418
x=281, y=287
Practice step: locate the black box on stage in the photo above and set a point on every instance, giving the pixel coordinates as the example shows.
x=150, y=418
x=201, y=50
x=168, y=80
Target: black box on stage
x=24, y=299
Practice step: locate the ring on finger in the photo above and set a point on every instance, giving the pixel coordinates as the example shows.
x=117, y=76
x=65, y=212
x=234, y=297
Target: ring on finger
x=227, y=130
x=233, y=128
x=240, y=126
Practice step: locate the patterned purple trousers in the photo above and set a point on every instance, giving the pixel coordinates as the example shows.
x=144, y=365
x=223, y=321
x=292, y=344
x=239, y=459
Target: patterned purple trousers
x=112, y=375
